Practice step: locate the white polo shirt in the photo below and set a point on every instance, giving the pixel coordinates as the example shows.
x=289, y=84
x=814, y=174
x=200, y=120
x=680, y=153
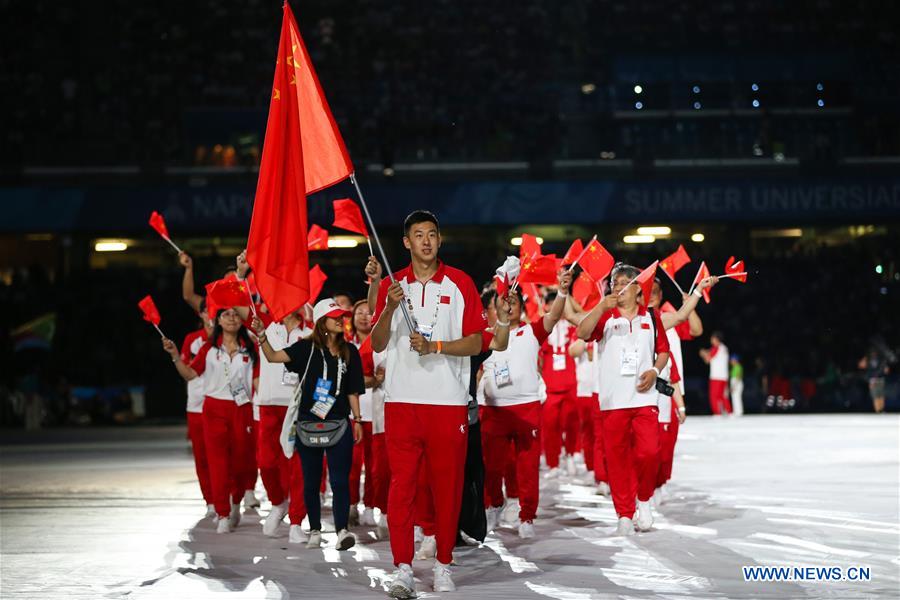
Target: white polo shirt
x=586, y=372
x=189, y=349
x=221, y=373
x=620, y=340
x=718, y=363
x=378, y=396
x=450, y=307
x=276, y=387
x=512, y=377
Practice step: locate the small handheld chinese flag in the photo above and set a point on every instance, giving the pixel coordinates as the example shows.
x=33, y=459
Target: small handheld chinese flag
x=159, y=224
x=317, y=279
x=736, y=270
x=151, y=313
x=597, y=261
x=317, y=238
x=675, y=261
x=573, y=253
x=226, y=293
x=529, y=247
x=585, y=291
x=540, y=269
x=702, y=273
x=645, y=281
x=348, y=216
x=502, y=285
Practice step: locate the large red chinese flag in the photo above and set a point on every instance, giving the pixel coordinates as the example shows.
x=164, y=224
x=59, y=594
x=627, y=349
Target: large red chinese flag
x=348, y=216
x=675, y=261
x=151, y=313
x=597, y=261
x=645, y=281
x=325, y=158
x=702, y=273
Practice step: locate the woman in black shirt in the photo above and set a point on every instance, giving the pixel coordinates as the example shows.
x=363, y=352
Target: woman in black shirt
x=332, y=384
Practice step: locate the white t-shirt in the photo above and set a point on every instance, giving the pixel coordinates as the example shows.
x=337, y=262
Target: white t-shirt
x=718, y=363
x=448, y=307
x=378, y=396
x=511, y=377
x=225, y=377
x=625, y=351
x=189, y=349
x=586, y=372
x=276, y=383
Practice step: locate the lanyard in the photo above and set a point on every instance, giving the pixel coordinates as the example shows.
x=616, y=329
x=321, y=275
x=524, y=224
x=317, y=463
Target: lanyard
x=228, y=358
x=340, y=372
x=437, y=306
x=559, y=346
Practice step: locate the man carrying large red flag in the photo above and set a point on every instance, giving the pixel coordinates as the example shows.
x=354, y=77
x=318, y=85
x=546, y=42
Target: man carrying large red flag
x=303, y=153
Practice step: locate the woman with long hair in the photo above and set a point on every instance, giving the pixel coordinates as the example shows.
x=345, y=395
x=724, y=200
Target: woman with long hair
x=229, y=364
x=331, y=380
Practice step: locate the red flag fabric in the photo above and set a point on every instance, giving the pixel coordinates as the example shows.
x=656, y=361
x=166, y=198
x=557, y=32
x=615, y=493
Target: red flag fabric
x=540, y=269
x=276, y=247
x=736, y=267
x=585, y=291
x=502, y=284
x=148, y=307
x=317, y=238
x=317, y=278
x=597, y=261
x=702, y=273
x=573, y=253
x=325, y=157
x=533, y=304
x=226, y=293
x=159, y=224
x=348, y=216
x=675, y=261
x=530, y=246
x=645, y=281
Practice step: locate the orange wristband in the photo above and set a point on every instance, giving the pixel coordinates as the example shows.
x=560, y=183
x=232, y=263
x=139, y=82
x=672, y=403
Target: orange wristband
x=440, y=347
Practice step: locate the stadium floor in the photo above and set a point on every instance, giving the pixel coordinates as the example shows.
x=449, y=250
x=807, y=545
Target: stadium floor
x=114, y=514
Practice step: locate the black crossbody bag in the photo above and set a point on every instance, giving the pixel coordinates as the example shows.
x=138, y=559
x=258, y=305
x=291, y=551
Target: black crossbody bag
x=662, y=386
x=320, y=434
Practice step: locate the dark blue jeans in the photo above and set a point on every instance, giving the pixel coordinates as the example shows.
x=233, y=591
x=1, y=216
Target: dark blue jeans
x=340, y=457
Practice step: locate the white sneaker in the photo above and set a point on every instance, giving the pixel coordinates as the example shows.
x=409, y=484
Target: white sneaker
x=442, y=581
x=526, y=530
x=554, y=472
x=315, y=539
x=296, y=535
x=234, y=519
x=276, y=515
x=210, y=511
x=493, y=517
x=626, y=526
x=403, y=584
x=428, y=548
x=368, y=517
x=354, y=515
x=418, y=534
x=250, y=499
x=223, y=525
x=603, y=489
x=654, y=499
x=645, y=516
x=345, y=540
x=381, y=529
x=511, y=511
x=467, y=539
x=570, y=465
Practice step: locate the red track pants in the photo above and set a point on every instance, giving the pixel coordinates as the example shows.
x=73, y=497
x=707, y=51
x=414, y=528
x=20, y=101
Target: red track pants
x=274, y=467
x=717, y=398
x=559, y=418
x=586, y=406
x=631, y=444
x=381, y=472
x=434, y=439
x=198, y=445
x=227, y=431
x=601, y=473
x=668, y=434
x=521, y=425
x=362, y=456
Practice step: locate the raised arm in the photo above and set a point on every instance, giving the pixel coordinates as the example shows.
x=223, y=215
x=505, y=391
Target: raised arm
x=688, y=307
x=184, y=370
x=589, y=321
x=564, y=278
x=501, y=327
x=272, y=355
x=187, y=283
x=381, y=333
x=373, y=272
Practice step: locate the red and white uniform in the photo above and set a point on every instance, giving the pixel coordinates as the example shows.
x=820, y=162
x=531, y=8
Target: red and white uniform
x=512, y=414
x=668, y=427
x=718, y=379
x=426, y=419
x=189, y=349
x=363, y=452
x=588, y=404
x=227, y=417
x=281, y=476
x=381, y=471
x=560, y=414
x=627, y=349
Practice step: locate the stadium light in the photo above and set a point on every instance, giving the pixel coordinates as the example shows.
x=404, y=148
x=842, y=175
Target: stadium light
x=588, y=88
x=342, y=242
x=656, y=230
x=638, y=239
x=639, y=105
x=638, y=89
x=698, y=237
x=879, y=269
x=755, y=103
x=111, y=246
x=696, y=106
x=517, y=241
x=696, y=89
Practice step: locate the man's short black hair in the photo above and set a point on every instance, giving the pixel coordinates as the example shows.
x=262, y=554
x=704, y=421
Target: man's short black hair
x=718, y=335
x=419, y=216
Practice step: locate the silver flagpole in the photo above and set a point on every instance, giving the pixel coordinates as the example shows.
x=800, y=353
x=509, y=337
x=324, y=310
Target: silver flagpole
x=384, y=259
